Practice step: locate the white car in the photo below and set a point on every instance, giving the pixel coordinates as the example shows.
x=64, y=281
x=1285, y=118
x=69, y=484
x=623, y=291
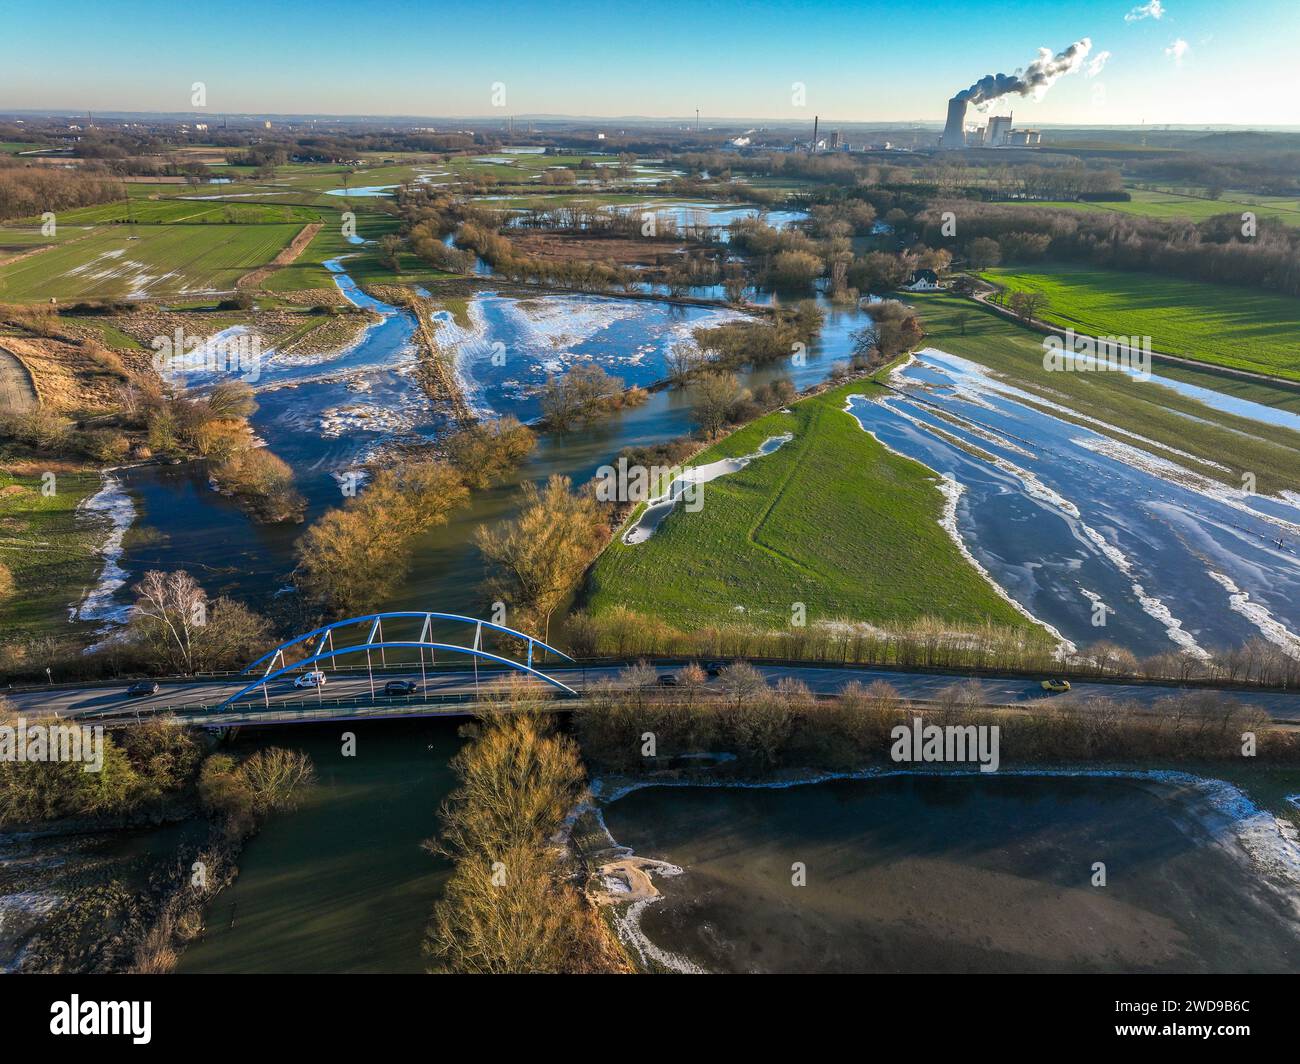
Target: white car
x=310, y=679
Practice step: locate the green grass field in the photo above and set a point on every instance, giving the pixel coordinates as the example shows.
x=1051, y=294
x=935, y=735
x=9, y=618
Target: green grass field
x=49, y=551
x=146, y=262
x=1173, y=204
x=177, y=210
x=832, y=520
x=964, y=328
x=362, y=264
x=1219, y=324
x=1167, y=205
x=15, y=239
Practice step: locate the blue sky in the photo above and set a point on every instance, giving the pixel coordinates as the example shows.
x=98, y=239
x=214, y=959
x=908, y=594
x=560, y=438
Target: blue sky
x=864, y=61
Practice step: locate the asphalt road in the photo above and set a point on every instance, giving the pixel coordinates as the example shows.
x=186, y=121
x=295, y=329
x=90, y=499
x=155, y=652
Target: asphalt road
x=193, y=697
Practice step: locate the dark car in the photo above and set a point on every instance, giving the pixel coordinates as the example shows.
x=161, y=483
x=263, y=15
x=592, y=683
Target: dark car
x=400, y=687
x=667, y=679
x=142, y=689
x=716, y=668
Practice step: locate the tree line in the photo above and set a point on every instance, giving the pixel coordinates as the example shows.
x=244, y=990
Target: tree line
x=1216, y=250
x=770, y=726
x=27, y=191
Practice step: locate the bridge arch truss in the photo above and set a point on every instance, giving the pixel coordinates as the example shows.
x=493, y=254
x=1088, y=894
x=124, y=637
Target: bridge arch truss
x=324, y=648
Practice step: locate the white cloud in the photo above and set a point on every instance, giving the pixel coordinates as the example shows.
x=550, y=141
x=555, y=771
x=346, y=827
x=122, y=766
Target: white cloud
x=1096, y=64
x=1151, y=9
x=1177, y=50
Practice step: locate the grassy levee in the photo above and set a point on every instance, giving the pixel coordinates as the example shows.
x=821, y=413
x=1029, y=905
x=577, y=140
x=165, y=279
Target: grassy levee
x=832, y=519
x=1219, y=324
x=1123, y=404
x=51, y=552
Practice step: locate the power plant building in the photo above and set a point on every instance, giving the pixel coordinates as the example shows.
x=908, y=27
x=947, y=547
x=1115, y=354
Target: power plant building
x=999, y=133
x=995, y=133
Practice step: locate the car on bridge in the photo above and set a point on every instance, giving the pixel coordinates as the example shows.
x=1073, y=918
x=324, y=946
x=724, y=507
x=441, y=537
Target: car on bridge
x=715, y=668
x=142, y=689
x=315, y=678
x=401, y=687
x=1056, y=687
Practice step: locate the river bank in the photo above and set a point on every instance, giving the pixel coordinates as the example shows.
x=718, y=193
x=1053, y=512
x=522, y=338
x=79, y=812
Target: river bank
x=888, y=870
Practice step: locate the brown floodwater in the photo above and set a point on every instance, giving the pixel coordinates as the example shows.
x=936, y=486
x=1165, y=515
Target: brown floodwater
x=919, y=873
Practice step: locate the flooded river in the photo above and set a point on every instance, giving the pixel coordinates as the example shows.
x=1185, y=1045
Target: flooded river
x=342, y=884
x=325, y=414
x=1077, y=525
x=916, y=873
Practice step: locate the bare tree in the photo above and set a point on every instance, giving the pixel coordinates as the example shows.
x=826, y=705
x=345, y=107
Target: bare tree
x=711, y=399
x=535, y=559
x=170, y=611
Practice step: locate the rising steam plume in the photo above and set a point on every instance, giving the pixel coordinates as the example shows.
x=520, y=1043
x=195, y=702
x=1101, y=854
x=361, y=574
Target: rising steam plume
x=1037, y=78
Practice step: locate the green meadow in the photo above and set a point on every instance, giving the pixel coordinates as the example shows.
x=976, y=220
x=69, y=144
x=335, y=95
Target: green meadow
x=832, y=520
x=187, y=210
x=1167, y=205
x=145, y=261
x=49, y=549
x=1220, y=324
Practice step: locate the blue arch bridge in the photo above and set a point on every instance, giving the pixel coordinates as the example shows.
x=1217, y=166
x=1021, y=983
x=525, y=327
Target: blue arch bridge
x=344, y=639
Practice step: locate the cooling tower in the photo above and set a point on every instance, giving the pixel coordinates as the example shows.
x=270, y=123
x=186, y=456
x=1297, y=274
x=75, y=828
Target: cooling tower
x=954, y=133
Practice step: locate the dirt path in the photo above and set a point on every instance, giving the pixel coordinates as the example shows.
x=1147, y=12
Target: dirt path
x=17, y=389
x=286, y=256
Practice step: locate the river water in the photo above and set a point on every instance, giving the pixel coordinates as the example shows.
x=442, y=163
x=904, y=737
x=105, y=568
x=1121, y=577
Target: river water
x=917, y=873
x=342, y=884
x=1074, y=526
x=326, y=414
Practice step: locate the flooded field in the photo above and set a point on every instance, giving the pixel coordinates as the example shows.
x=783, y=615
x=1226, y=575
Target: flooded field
x=1072, y=524
x=916, y=873
x=39, y=874
x=325, y=414
x=516, y=343
x=1076, y=525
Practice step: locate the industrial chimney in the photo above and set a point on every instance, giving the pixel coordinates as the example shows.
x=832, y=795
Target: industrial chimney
x=954, y=132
